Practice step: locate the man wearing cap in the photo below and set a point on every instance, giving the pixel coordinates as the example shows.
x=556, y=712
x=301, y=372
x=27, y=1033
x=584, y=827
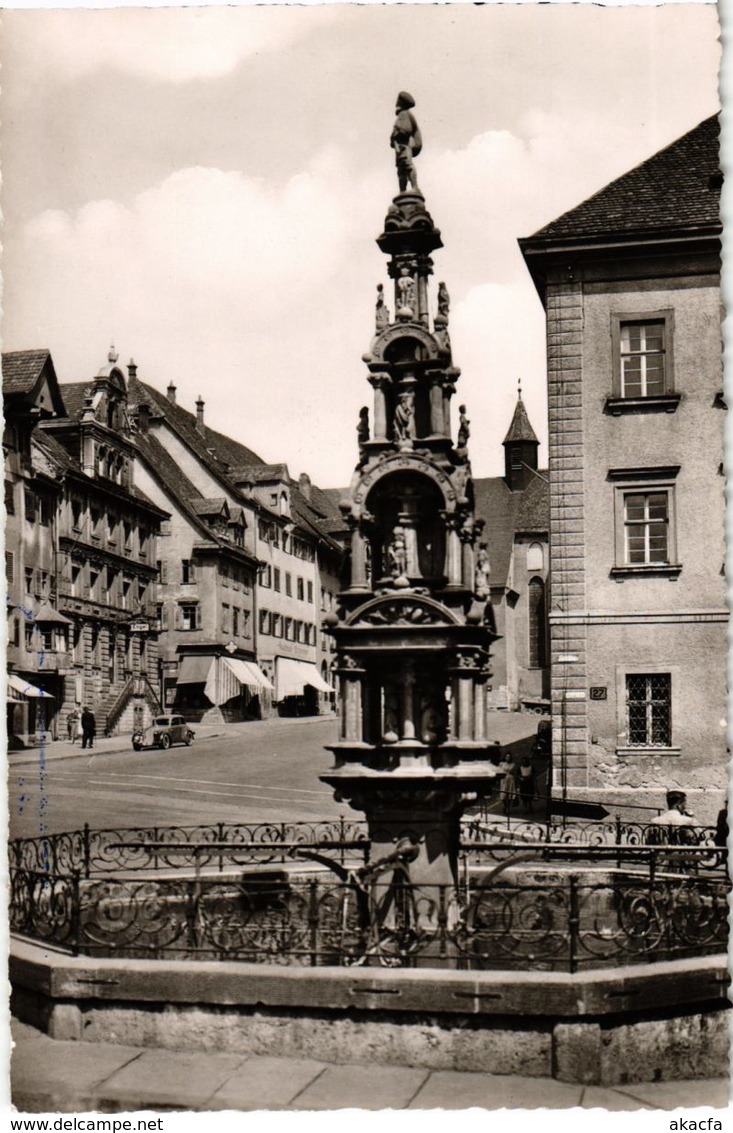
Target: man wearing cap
x=405, y=141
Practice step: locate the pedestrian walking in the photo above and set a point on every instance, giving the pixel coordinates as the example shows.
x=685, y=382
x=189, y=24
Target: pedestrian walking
x=508, y=790
x=526, y=783
x=88, y=728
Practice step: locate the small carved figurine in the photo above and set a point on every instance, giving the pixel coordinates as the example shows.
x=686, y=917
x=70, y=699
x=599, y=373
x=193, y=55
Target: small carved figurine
x=404, y=416
x=483, y=572
x=362, y=428
x=443, y=301
x=397, y=553
x=406, y=289
x=464, y=431
x=406, y=141
x=381, y=314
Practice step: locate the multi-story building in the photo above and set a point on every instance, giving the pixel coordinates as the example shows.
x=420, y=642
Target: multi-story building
x=630, y=282
x=38, y=636
x=287, y=552
x=87, y=542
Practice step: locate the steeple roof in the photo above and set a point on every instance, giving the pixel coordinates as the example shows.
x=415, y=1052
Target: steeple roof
x=520, y=428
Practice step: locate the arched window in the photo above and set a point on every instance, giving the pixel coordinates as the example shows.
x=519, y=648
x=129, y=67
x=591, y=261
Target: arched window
x=537, y=624
x=535, y=557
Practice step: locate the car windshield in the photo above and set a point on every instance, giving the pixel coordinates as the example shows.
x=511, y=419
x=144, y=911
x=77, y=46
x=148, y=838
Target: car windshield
x=161, y=721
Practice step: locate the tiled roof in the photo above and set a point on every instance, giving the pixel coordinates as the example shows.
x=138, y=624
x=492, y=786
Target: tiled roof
x=258, y=473
x=53, y=453
x=305, y=517
x=73, y=395
x=181, y=491
x=534, y=507
x=209, y=507
x=216, y=451
x=21, y=370
x=678, y=188
x=520, y=428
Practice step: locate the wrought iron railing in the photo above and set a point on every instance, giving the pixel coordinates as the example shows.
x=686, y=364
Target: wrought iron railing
x=132, y=849
x=563, y=924
x=222, y=844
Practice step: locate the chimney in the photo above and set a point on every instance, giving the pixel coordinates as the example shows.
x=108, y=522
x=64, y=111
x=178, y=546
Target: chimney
x=200, y=414
x=143, y=417
x=132, y=369
x=304, y=483
x=171, y=392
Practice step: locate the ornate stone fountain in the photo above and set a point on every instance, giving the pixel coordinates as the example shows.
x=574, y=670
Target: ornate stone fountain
x=414, y=623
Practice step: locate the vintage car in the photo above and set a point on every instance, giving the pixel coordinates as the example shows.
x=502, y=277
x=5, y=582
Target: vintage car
x=164, y=731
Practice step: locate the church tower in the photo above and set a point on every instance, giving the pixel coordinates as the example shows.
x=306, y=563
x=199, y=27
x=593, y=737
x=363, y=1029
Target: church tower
x=520, y=449
x=414, y=621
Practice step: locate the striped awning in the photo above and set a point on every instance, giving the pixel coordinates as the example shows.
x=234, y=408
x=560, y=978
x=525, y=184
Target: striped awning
x=228, y=675
x=292, y=676
x=23, y=689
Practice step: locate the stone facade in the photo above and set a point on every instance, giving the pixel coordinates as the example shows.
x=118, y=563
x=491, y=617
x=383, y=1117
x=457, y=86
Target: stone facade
x=638, y=617
x=85, y=542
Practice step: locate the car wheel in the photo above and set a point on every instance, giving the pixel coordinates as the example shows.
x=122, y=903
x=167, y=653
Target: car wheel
x=165, y=742
x=137, y=746
x=189, y=739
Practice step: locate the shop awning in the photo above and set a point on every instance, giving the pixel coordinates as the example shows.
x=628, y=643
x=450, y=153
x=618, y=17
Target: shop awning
x=194, y=669
x=292, y=676
x=23, y=688
x=228, y=675
x=247, y=673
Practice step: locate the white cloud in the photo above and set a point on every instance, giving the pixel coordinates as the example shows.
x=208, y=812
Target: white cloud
x=165, y=44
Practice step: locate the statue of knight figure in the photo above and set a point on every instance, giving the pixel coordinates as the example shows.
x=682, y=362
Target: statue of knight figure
x=405, y=141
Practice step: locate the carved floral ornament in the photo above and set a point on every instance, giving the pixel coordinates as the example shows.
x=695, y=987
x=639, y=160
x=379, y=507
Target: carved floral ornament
x=407, y=611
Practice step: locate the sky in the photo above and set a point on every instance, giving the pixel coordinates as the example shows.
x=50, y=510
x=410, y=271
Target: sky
x=204, y=187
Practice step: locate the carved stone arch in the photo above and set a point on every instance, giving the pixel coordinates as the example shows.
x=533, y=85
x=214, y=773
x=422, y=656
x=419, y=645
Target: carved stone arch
x=402, y=609
x=396, y=463
x=400, y=505
x=380, y=348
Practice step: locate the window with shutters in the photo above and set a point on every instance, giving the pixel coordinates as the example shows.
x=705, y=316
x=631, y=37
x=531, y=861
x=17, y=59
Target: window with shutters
x=10, y=497
x=300, y=589
x=30, y=505
x=9, y=567
x=264, y=622
x=188, y=571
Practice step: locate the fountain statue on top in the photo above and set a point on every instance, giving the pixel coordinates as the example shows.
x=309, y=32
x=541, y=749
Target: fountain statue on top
x=414, y=625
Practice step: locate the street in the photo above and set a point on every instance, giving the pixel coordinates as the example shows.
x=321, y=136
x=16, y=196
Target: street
x=264, y=770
